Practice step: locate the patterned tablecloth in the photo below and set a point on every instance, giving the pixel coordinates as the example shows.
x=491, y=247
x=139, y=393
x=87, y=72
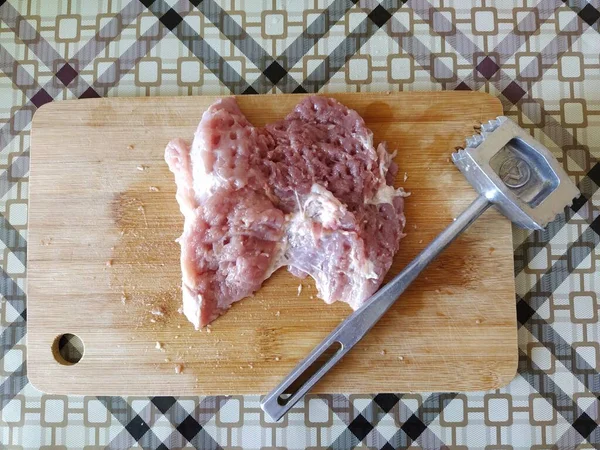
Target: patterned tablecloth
x=541, y=58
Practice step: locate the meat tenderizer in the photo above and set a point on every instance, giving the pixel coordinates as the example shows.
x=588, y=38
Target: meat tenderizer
x=511, y=171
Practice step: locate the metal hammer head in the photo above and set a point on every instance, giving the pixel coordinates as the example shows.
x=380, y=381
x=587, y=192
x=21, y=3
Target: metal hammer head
x=516, y=173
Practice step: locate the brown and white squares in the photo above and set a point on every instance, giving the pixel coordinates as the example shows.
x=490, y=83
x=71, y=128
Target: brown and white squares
x=17, y=209
x=400, y=69
x=498, y=409
x=570, y=66
x=190, y=71
x=108, y=26
x=578, y=160
x=312, y=26
x=409, y=403
x=147, y=24
x=529, y=66
x=26, y=26
x=238, y=64
x=588, y=402
x=318, y=411
x=311, y=63
x=531, y=114
x=541, y=411
x=239, y=17
x=14, y=264
x=268, y=423
x=30, y=68
x=401, y=23
x=148, y=72
x=65, y=72
x=487, y=66
x=353, y=20
x=542, y=357
x=576, y=252
x=588, y=361
x=444, y=66
x=444, y=21
x=13, y=413
x=526, y=21
x=230, y=411
x=195, y=21
x=484, y=21
x=274, y=24
x=95, y=413
x=573, y=112
x=583, y=307
x=54, y=410
x=539, y=258
x=455, y=413
x=68, y=28
x=358, y=70
x=567, y=22
x=106, y=71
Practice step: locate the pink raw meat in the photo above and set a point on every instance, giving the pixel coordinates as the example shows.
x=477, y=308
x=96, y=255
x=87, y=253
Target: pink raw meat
x=309, y=192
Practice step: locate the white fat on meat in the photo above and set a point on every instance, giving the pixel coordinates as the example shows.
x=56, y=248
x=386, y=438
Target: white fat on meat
x=309, y=192
x=385, y=193
x=316, y=226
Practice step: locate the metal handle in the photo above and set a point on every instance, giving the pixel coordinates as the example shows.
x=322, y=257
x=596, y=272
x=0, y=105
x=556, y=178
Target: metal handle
x=325, y=355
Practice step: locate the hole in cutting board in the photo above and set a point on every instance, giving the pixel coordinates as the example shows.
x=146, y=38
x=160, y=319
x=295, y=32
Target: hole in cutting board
x=68, y=349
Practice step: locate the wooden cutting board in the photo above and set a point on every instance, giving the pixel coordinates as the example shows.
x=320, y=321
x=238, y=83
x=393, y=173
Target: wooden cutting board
x=101, y=229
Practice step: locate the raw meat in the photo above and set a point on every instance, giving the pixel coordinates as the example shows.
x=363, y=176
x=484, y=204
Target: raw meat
x=309, y=192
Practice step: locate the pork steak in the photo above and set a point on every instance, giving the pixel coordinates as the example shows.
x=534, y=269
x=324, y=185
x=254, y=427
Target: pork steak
x=309, y=192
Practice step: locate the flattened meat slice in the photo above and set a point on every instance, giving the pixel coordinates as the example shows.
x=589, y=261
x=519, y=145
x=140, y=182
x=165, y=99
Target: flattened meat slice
x=310, y=192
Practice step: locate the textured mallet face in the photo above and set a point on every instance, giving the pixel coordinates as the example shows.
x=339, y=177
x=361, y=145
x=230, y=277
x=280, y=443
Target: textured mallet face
x=516, y=173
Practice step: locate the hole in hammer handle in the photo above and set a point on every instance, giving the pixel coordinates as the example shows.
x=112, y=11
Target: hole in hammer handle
x=301, y=380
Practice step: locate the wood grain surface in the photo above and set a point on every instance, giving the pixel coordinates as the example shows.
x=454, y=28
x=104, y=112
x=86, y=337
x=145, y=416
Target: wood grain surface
x=102, y=224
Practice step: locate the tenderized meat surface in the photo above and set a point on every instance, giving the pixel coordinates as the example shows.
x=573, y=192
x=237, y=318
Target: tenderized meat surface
x=309, y=192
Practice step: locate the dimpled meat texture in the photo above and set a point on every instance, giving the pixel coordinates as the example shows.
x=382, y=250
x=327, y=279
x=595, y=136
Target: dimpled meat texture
x=309, y=192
